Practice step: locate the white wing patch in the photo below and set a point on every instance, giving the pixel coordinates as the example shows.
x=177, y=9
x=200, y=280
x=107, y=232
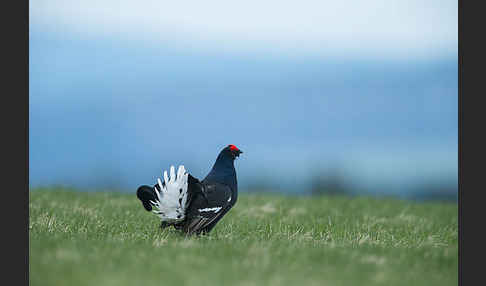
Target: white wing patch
x=229, y=199
x=171, y=200
x=216, y=209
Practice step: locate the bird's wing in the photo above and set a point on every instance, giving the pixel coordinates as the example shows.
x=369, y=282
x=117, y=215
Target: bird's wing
x=205, y=211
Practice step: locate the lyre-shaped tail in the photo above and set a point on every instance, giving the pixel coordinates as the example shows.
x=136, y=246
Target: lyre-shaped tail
x=170, y=200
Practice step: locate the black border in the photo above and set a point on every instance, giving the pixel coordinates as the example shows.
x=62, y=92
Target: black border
x=470, y=144
x=15, y=142
x=460, y=12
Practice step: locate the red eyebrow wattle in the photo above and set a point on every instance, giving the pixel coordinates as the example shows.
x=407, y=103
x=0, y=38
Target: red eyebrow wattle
x=233, y=147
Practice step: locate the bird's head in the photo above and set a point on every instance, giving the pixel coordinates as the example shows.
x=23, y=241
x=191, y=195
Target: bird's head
x=233, y=151
x=223, y=170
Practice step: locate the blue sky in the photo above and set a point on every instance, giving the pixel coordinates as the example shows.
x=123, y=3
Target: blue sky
x=376, y=28
x=119, y=90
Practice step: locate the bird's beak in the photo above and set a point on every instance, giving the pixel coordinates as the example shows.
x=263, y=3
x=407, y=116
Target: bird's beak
x=238, y=153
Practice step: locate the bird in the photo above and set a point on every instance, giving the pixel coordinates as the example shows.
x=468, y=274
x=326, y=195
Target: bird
x=190, y=205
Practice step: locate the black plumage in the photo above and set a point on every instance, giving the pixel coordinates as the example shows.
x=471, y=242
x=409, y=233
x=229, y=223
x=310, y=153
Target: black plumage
x=208, y=200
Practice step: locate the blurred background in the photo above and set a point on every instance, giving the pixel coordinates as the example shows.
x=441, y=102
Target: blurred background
x=339, y=97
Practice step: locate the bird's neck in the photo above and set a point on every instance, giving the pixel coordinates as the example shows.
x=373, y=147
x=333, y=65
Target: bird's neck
x=223, y=171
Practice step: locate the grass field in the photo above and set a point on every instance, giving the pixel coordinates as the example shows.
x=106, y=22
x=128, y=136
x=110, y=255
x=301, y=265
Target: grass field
x=106, y=238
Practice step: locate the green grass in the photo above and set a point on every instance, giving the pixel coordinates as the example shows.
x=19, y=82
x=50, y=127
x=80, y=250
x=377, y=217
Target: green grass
x=106, y=238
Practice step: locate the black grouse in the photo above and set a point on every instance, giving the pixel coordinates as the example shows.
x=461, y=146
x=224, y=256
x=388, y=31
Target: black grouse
x=190, y=205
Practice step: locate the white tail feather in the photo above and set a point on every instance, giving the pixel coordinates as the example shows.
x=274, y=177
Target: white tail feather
x=171, y=200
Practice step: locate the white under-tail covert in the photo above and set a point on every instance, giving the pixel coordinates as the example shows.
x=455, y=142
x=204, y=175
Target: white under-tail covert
x=171, y=201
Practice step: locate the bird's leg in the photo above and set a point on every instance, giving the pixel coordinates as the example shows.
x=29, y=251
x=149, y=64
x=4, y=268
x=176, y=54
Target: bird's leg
x=164, y=224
